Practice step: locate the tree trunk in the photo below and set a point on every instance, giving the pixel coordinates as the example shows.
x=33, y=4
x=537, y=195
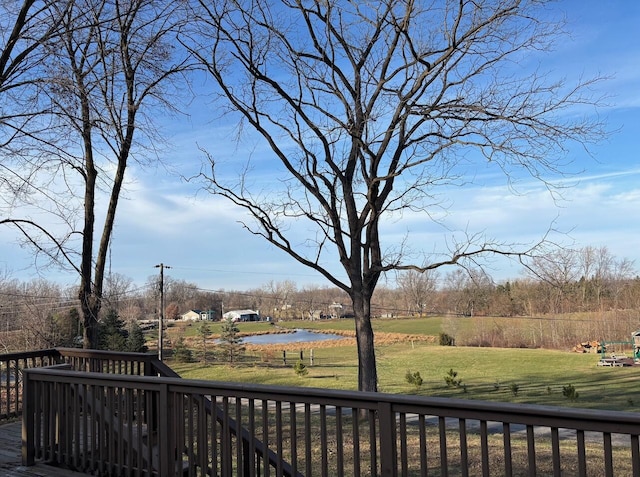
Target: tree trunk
x=90, y=309
x=89, y=301
x=367, y=373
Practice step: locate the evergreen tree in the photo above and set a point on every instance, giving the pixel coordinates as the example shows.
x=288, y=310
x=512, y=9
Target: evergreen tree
x=230, y=341
x=181, y=353
x=135, y=340
x=67, y=326
x=204, y=330
x=112, y=333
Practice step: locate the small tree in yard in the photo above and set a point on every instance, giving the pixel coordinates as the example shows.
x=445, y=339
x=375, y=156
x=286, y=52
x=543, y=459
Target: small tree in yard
x=451, y=379
x=300, y=369
x=414, y=378
x=446, y=340
x=569, y=391
x=181, y=353
x=204, y=330
x=230, y=341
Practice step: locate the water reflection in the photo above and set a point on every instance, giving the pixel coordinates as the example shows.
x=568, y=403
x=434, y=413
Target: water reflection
x=298, y=336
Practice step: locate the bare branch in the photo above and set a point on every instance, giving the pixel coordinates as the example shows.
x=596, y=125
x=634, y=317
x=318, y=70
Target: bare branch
x=104, y=70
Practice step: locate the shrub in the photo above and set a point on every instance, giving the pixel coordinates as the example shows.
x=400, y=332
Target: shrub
x=446, y=340
x=414, y=378
x=570, y=392
x=451, y=379
x=300, y=368
x=514, y=388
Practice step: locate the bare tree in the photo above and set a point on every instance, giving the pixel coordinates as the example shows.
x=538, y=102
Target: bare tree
x=417, y=289
x=281, y=296
x=622, y=273
x=25, y=27
x=588, y=263
x=184, y=294
x=559, y=270
x=603, y=273
x=116, y=290
x=370, y=107
x=107, y=68
x=40, y=310
x=467, y=290
x=386, y=302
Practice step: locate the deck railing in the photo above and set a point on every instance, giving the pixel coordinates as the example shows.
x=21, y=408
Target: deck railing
x=105, y=424
x=12, y=366
x=118, y=363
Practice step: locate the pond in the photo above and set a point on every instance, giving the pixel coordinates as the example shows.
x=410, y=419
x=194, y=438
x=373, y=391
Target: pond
x=298, y=336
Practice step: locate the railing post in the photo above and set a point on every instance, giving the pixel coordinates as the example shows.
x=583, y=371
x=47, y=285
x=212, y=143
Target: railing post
x=388, y=449
x=165, y=430
x=28, y=446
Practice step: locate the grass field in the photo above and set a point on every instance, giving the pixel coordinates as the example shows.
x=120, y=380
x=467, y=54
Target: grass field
x=415, y=326
x=535, y=376
x=431, y=326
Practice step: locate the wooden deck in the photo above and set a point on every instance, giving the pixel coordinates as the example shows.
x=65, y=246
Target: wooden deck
x=11, y=460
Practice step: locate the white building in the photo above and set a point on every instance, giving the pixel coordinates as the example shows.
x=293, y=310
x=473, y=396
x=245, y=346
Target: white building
x=242, y=315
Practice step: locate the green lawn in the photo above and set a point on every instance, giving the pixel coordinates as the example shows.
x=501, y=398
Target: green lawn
x=415, y=326
x=493, y=374
x=516, y=375
x=190, y=329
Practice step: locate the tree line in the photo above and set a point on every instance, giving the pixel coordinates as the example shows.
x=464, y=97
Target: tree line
x=40, y=315
x=45, y=314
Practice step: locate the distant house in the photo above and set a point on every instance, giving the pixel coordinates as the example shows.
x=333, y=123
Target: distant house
x=242, y=315
x=191, y=315
x=335, y=310
x=315, y=314
x=208, y=315
x=197, y=315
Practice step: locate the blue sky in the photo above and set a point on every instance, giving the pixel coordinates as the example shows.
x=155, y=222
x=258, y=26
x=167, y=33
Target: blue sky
x=164, y=219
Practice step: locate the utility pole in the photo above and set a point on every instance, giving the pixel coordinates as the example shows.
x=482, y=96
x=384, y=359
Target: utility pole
x=162, y=266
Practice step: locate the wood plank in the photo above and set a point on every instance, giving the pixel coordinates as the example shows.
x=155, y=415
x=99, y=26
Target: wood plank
x=11, y=457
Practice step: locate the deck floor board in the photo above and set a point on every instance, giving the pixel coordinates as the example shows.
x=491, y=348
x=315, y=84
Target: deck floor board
x=11, y=457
